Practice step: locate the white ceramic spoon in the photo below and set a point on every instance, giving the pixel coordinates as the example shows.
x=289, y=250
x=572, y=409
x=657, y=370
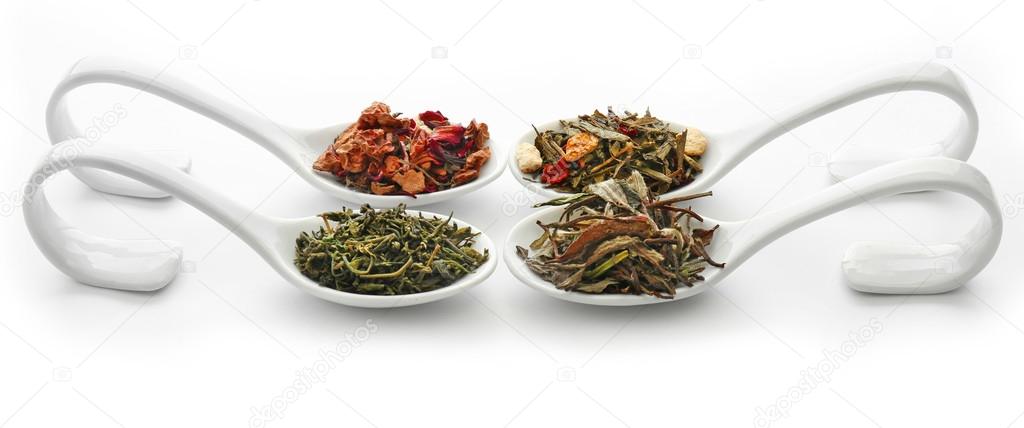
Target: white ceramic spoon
x=297, y=148
x=728, y=149
x=874, y=267
x=151, y=264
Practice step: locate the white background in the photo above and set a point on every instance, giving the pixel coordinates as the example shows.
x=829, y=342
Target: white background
x=230, y=336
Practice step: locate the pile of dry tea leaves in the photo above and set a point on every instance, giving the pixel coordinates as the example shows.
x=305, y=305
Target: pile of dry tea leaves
x=600, y=147
x=616, y=238
x=386, y=154
x=386, y=252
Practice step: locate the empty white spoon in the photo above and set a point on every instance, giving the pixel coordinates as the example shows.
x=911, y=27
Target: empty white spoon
x=874, y=267
x=151, y=264
x=297, y=148
x=727, y=149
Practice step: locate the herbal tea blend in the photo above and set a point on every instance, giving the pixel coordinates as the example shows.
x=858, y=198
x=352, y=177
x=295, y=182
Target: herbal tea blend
x=386, y=252
x=386, y=154
x=600, y=147
x=616, y=238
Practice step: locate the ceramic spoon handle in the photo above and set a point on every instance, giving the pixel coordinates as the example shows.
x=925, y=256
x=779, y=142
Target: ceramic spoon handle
x=162, y=83
x=852, y=160
x=883, y=267
x=127, y=264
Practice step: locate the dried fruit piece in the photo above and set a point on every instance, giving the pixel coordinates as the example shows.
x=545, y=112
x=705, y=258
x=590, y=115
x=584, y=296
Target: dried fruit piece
x=471, y=170
x=555, y=173
x=412, y=181
x=601, y=146
x=528, y=158
x=577, y=146
x=391, y=165
x=696, y=142
x=383, y=153
x=377, y=115
x=433, y=119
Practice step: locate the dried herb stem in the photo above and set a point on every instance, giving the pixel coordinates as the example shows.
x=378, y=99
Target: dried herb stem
x=636, y=245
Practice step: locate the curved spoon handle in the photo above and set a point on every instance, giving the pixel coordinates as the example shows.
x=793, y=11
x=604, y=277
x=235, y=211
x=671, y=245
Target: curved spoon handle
x=162, y=83
x=884, y=267
x=140, y=265
x=852, y=160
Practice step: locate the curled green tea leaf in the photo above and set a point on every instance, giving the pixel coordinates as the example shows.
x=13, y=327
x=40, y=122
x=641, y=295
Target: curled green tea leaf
x=386, y=252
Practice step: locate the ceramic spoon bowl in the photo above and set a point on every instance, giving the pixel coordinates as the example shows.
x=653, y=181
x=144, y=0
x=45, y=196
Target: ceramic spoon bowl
x=874, y=267
x=145, y=265
x=727, y=149
x=296, y=147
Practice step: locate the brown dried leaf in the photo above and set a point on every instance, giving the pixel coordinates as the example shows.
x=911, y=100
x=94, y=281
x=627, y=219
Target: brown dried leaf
x=412, y=181
x=477, y=133
x=603, y=230
x=382, y=189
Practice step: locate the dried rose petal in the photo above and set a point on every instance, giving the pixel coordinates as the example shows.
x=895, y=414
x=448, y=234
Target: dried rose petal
x=450, y=136
x=387, y=154
x=433, y=119
x=449, y=139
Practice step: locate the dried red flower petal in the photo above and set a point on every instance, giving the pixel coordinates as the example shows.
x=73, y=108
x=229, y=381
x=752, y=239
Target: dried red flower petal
x=384, y=153
x=451, y=139
x=450, y=136
x=433, y=119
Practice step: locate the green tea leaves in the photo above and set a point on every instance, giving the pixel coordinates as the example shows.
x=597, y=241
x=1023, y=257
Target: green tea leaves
x=386, y=252
x=598, y=147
